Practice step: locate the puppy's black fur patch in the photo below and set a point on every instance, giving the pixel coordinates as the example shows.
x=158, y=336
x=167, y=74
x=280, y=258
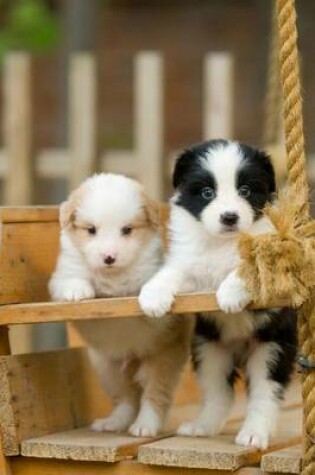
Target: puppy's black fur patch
x=280, y=329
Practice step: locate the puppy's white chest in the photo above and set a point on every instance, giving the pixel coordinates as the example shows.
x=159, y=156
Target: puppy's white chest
x=214, y=266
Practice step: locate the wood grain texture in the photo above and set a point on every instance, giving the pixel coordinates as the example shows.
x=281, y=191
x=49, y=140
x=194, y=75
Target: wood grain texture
x=27, y=258
x=32, y=466
x=5, y=466
x=18, y=128
x=83, y=445
x=103, y=308
x=288, y=460
x=28, y=214
x=220, y=452
x=46, y=393
x=8, y=421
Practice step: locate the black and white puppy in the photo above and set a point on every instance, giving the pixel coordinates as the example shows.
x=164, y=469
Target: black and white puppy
x=222, y=188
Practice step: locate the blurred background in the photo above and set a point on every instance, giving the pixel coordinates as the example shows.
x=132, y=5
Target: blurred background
x=122, y=85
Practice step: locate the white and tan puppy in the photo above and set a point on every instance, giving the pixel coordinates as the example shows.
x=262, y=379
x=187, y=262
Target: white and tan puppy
x=110, y=247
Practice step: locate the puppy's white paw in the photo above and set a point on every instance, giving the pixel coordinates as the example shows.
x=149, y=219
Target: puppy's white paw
x=193, y=429
x=254, y=437
x=139, y=430
x=148, y=422
x=155, y=299
x=74, y=290
x=232, y=295
x=110, y=424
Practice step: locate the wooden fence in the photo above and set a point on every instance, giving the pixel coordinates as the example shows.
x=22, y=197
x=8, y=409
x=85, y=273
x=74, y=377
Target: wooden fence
x=146, y=161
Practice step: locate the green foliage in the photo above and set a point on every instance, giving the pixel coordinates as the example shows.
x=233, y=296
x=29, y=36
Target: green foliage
x=29, y=26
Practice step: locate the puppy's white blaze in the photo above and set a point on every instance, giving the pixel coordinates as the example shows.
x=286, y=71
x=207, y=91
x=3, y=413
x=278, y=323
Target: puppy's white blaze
x=224, y=162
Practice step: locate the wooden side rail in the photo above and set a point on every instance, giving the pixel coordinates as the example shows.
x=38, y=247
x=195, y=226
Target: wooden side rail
x=15, y=314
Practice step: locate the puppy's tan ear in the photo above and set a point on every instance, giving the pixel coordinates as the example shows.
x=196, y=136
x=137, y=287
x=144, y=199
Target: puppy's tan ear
x=66, y=213
x=152, y=210
x=68, y=208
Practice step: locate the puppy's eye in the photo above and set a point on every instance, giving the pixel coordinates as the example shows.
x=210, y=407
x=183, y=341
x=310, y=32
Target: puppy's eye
x=91, y=230
x=126, y=230
x=244, y=191
x=207, y=193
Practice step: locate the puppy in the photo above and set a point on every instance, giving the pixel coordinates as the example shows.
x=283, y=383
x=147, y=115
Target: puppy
x=222, y=188
x=110, y=247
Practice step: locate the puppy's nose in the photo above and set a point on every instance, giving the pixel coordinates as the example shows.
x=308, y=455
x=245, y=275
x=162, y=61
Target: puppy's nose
x=109, y=260
x=229, y=218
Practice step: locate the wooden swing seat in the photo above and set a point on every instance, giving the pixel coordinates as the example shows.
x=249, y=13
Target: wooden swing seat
x=48, y=400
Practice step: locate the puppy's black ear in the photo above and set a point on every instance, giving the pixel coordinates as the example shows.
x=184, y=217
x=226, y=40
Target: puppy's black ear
x=266, y=164
x=184, y=163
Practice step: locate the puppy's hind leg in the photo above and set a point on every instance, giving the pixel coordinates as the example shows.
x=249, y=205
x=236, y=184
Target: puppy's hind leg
x=265, y=394
x=159, y=376
x=215, y=374
x=117, y=380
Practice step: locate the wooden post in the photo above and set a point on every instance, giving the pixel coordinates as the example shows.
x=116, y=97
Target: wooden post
x=148, y=132
x=18, y=128
x=18, y=150
x=4, y=350
x=82, y=117
x=218, y=96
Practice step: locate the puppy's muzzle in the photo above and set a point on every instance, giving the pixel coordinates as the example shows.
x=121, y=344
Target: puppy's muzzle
x=109, y=260
x=229, y=219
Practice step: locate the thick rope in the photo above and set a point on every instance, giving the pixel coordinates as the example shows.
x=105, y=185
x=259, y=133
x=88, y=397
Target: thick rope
x=298, y=193
x=292, y=102
x=307, y=346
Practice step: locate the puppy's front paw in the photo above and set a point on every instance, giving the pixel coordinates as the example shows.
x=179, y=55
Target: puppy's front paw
x=155, y=300
x=148, y=422
x=193, y=429
x=73, y=290
x=110, y=424
x=253, y=437
x=232, y=295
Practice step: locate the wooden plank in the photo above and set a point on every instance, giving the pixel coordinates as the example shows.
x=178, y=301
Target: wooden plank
x=218, y=96
x=120, y=161
x=28, y=214
x=18, y=145
x=16, y=314
x=17, y=128
x=53, y=163
x=8, y=423
x=27, y=258
x=82, y=117
x=46, y=393
x=32, y=466
x=148, y=132
x=287, y=460
x=83, y=444
x=5, y=466
x=220, y=452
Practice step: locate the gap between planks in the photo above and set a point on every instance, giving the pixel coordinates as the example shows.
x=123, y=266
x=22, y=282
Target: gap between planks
x=45, y=312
